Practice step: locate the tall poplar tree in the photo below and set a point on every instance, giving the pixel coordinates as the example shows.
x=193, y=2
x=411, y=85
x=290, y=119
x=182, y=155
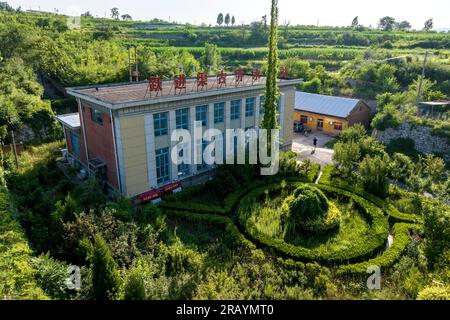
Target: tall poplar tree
x=270, y=102
x=105, y=277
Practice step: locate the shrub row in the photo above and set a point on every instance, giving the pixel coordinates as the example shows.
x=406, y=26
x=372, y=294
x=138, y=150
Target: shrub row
x=387, y=258
x=375, y=240
x=394, y=214
x=231, y=232
x=17, y=279
x=183, y=200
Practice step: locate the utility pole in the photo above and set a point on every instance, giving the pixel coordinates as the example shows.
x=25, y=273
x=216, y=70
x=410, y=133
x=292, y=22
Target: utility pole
x=419, y=91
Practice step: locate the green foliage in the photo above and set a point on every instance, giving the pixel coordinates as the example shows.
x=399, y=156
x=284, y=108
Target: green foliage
x=308, y=203
x=105, y=277
x=373, y=172
x=211, y=57
x=387, y=258
x=271, y=94
x=134, y=287
x=312, y=86
x=17, y=274
x=51, y=276
x=435, y=292
x=378, y=229
x=346, y=155
x=436, y=230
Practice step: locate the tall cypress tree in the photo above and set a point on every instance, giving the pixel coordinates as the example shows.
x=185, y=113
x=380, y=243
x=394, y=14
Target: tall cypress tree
x=105, y=277
x=270, y=103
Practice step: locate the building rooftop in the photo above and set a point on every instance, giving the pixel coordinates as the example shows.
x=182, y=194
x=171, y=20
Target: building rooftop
x=122, y=95
x=71, y=120
x=327, y=105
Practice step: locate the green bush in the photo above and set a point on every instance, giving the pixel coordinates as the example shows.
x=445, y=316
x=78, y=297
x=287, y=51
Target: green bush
x=308, y=209
x=375, y=241
x=393, y=213
x=17, y=274
x=387, y=258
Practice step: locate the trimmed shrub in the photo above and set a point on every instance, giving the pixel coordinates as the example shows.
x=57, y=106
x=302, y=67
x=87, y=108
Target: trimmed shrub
x=387, y=258
x=375, y=240
x=308, y=209
x=394, y=214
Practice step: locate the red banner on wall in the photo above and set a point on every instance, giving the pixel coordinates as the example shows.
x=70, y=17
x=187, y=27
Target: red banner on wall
x=158, y=193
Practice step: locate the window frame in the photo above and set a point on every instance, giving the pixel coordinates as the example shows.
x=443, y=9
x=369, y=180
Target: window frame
x=202, y=110
x=250, y=102
x=219, y=112
x=235, y=109
x=161, y=123
x=162, y=165
x=180, y=116
x=97, y=116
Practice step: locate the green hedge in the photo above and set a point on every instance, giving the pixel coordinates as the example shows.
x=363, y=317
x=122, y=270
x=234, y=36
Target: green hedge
x=183, y=200
x=231, y=232
x=394, y=214
x=17, y=275
x=387, y=258
x=375, y=241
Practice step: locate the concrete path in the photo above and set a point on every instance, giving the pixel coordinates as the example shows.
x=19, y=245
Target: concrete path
x=304, y=147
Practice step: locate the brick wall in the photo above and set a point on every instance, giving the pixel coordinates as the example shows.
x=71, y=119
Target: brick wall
x=100, y=143
x=361, y=114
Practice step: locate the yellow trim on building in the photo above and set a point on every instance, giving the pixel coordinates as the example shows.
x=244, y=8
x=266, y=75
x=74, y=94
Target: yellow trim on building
x=328, y=121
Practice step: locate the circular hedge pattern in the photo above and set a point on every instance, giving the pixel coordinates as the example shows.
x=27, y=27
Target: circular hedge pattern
x=369, y=244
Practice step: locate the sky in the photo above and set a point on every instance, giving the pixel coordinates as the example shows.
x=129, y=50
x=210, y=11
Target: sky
x=322, y=12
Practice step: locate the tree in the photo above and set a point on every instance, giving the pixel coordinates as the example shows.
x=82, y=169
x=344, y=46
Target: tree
x=355, y=22
x=233, y=20
x=126, y=17
x=4, y=6
x=400, y=167
x=346, y=154
x=115, y=13
x=312, y=86
x=105, y=277
x=271, y=93
x=227, y=19
x=436, y=230
x=211, y=56
x=134, y=287
x=404, y=25
x=87, y=14
x=373, y=173
x=220, y=19
x=428, y=26
x=386, y=23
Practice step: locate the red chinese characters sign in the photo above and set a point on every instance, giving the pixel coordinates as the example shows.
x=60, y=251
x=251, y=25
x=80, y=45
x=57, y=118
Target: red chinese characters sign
x=155, y=84
x=158, y=193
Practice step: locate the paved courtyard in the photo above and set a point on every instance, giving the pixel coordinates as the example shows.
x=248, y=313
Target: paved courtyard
x=304, y=147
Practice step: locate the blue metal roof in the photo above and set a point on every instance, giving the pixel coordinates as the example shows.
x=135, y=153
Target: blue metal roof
x=327, y=105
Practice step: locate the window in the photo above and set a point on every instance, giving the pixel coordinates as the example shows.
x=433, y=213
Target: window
x=162, y=165
x=201, y=114
x=304, y=119
x=338, y=126
x=160, y=123
x=219, y=111
x=261, y=104
x=203, y=165
x=235, y=109
x=183, y=168
x=74, y=140
x=250, y=107
x=182, y=118
x=96, y=116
